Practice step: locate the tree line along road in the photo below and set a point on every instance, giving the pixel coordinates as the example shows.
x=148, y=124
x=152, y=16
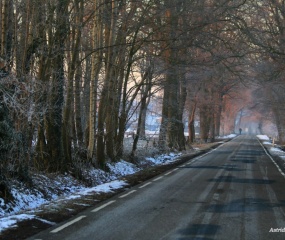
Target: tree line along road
x=233, y=192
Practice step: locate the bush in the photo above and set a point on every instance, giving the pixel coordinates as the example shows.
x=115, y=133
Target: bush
x=6, y=132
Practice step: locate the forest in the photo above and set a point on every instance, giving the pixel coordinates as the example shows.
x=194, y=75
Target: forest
x=74, y=72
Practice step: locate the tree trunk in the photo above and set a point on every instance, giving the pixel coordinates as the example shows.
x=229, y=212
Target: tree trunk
x=205, y=122
x=77, y=105
x=218, y=120
x=212, y=128
x=174, y=88
x=69, y=102
x=191, y=123
x=106, y=106
x=142, y=114
x=96, y=63
x=9, y=33
x=162, y=141
x=86, y=99
x=54, y=117
x=182, y=100
x=4, y=26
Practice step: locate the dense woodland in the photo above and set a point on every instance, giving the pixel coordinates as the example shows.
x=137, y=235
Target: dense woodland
x=73, y=72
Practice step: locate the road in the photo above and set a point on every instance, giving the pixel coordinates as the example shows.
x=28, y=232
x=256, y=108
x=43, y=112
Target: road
x=233, y=192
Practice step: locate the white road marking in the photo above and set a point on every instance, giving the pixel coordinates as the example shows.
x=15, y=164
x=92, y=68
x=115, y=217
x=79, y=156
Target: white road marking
x=145, y=185
x=216, y=196
x=196, y=158
x=103, y=206
x=208, y=216
x=127, y=194
x=67, y=224
x=175, y=169
x=157, y=179
x=279, y=169
x=167, y=173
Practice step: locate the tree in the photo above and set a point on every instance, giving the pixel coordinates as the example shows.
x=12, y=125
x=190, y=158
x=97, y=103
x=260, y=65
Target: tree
x=172, y=131
x=96, y=63
x=67, y=127
x=56, y=98
x=6, y=126
x=263, y=26
x=125, y=34
x=90, y=65
x=7, y=30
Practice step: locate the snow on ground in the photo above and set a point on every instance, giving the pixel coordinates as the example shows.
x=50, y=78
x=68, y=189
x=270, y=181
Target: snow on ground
x=228, y=136
x=262, y=137
x=274, y=149
x=53, y=189
x=105, y=188
x=123, y=168
x=11, y=221
x=163, y=159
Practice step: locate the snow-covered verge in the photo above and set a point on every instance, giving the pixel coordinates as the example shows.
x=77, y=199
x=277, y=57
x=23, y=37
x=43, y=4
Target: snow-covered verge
x=229, y=136
x=274, y=149
x=52, y=190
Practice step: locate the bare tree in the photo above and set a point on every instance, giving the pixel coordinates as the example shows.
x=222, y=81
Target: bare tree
x=262, y=23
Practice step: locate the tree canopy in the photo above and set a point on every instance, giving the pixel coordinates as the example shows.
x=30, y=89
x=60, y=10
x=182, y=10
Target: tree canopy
x=74, y=72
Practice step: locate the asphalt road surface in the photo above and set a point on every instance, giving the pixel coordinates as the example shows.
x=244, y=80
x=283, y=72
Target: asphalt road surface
x=233, y=192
